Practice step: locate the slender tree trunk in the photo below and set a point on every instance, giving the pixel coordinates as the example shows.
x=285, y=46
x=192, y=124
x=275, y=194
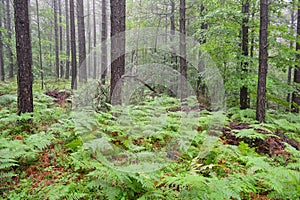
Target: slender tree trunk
x=172, y=19
x=60, y=38
x=296, y=96
x=73, y=46
x=183, y=64
x=103, y=43
x=244, y=97
x=9, y=36
x=24, y=56
x=201, y=90
x=89, y=38
x=95, y=40
x=204, y=25
x=40, y=43
x=173, y=29
x=118, y=25
x=263, y=62
x=67, y=40
x=289, y=77
x=2, y=73
x=56, y=39
x=81, y=41
x=252, y=37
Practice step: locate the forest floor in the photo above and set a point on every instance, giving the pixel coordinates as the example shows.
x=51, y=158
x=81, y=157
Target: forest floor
x=49, y=159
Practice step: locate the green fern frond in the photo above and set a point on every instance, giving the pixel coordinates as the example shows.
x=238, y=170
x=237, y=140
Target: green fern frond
x=40, y=140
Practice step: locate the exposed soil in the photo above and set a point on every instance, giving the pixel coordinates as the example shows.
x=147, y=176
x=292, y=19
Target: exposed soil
x=60, y=96
x=272, y=145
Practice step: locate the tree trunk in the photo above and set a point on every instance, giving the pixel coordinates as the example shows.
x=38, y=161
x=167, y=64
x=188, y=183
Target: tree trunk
x=56, y=39
x=95, y=40
x=252, y=36
x=244, y=97
x=40, y=43
x=67, y=40
x=24, y=56
x=9, y=36
x=60, y=38
x=263, y=62
x=289, y=77
x=118, y=15
x=81, y=41
x=2, y=73
x=173, y=55
x=296, y=96
x=183, y=64
x=199, y=85
x=89, y=38
x=103, y=43
x=73, y=46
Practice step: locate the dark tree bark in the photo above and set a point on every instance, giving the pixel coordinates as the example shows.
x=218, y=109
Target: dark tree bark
x=296, y=96
x=103, y=43
x=73, y=46
x=56, y=39
x=9, y=36
x=40, y=43
x=204, y=25
x=263, y=62
x=118, y=15
x=172, y=19
x=183, y=64
x=60, y=38
x=24, y=56
x=67, y=40
x=199, y=85
x=2, y=73
x=81, y=41
x=252, y=36
x=244, y=97
x=95, y=40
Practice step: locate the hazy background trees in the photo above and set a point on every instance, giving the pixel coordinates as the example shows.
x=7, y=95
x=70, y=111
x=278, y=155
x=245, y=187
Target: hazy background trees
x=229, y=32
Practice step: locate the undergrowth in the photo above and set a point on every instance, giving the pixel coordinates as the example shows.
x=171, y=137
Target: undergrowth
x=57, y=157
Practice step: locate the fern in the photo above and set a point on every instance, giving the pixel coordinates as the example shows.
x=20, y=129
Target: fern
x=251, y=134
x=39, y=141
x=13, y=152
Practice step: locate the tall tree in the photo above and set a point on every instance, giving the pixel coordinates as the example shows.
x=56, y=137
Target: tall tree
x=89, y=27
x=24, y=56
x=172, y=18
x=73, y=46
x=263, y=62
x=103, y=43
x=9, y=36
x=296, y=96
x=95, y=40
x=200, y=85
x=289, y=78
x=81, y=41
x=40, y=42
x=67, y=40
x=2, y=74
x=118, y=25
x=183, y=64
x=56, y=39
x=244, y=97
x=60, y=38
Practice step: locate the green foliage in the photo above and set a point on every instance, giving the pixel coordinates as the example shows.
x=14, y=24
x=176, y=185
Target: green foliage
x=252, y=134
x=208, y=169
x=22, y=151
x=247, y=115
